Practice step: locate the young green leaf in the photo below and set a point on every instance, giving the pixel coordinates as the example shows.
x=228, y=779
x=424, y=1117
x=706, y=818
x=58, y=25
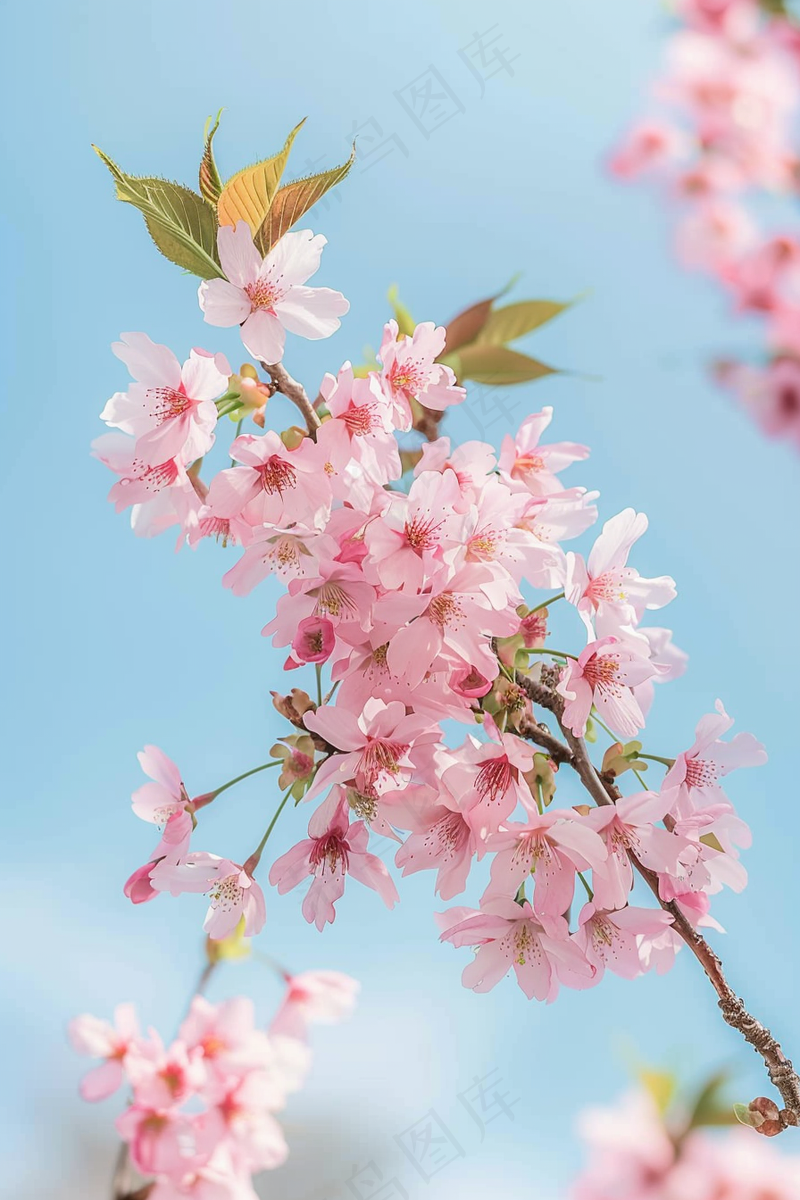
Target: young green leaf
x=294, y=199
x=182, y=225
x=248, y=195
x=466, y=326
x=515, y=320
x=210, y=182
x=499, y=366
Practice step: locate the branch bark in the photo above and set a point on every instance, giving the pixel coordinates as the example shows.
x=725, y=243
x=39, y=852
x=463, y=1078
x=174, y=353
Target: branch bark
x=603, y=791
x=295, y=392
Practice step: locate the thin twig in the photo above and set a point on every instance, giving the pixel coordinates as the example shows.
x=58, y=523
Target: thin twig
x=295, y=392
x=732, y=1007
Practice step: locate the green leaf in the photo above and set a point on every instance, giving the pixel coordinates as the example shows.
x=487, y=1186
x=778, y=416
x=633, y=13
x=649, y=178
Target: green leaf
x=465, y=327
x=182, y=225
x=294, y=199
x=661, y=1085
x=248, y=194
x=405, y=322
x=745, y=1115
x=709, y=1108
x=498, y=365
x=210, y=182
x=515, y=320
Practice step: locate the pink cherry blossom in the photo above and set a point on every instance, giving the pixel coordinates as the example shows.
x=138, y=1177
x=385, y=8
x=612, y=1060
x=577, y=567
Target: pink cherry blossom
x=488, y=778
x=416, y=532
x=509, y=935
x=629, y=826
x=314, y=640
x=693, y=781
x=111, y=1042
x=650, y=146
x=170, y=409
x=233, y=893
x=166, y=795
x=604, y=676
x=551, y=846
x=334, y=849
x=379, y=747
x=267, y=296
x=409, y=371
x=314, y=997
x=272, y=484
x=608, y=593
x=441, y=839
x=611, y=940
x=534, y=468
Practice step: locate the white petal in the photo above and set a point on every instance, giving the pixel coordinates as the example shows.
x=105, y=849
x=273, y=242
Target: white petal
x=222, y=302
x=152, y=364
x=312, y=312
x=263, y=336
x=295, y=258
x=240, y=259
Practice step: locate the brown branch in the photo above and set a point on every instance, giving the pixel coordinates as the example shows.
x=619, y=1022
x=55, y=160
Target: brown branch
x=732, y=1007
x=295, y=392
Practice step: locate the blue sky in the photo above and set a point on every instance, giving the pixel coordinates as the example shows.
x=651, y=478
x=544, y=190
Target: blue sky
x=112, y=642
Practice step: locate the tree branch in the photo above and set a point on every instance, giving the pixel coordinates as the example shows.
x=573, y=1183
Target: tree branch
x=732, y=1007
x=295, y=392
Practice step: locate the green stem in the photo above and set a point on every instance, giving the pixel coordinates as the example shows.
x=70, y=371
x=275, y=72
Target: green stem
x=318, y=669
x=274, y=762
x=589, y=891
x=554, y=653
x=255, y=857
x=547, y=603
x=225, y=406
x=239, y=424
x=667, y=762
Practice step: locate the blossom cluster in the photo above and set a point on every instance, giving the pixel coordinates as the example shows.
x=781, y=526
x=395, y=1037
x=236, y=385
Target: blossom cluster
x=200, y=1119
x=635, y=1154
x=731, y=84
x=426, y=594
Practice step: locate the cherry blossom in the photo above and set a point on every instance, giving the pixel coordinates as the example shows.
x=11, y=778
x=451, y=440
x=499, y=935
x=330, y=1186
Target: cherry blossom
x=267, y=296
x=605, y=675
x=233, y=893
x=335, y=848
x=170, y=409
x=510, y=935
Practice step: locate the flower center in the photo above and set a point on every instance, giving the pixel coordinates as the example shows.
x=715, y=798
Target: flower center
x=408, y=377
x=421, y=533
x=166, y=403
x=494, y=778
x=376, y=758
x=219, y=528
x=601, y=673
x=226, y=894
x=277, y=476
x=608, y=587
x=334, y=601
x=262, y=295
x=528, y=463
x=444, y=610
x=328, y=853
x=359, y=421
x=700, y=773
x=448, y=835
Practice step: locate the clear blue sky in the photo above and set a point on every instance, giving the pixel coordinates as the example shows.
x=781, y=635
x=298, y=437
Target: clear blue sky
x=111, y=642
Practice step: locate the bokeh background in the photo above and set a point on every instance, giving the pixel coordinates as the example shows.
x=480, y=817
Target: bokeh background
x=110, y=642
